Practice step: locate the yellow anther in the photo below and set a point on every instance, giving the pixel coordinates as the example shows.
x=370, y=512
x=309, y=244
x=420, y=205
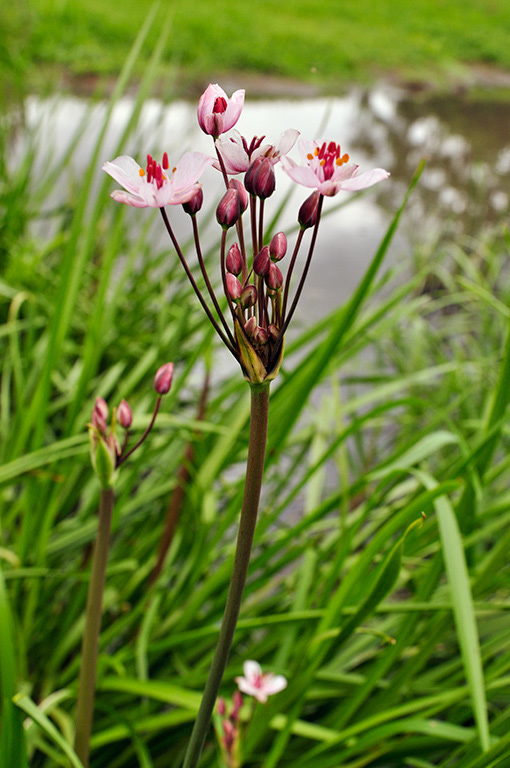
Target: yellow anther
x=174, y=169
x=339, y=161
x=345, y=158
x=316, y=151
x=309, y=156
x=164, y=177
x=322, y=162
x=141, y=172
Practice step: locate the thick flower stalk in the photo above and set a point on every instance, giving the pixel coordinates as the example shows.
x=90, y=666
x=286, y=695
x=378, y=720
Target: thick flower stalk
x=107, y=454
x=259, y=299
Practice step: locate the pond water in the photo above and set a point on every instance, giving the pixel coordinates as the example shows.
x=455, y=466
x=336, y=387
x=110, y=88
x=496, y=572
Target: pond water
x=464, y=188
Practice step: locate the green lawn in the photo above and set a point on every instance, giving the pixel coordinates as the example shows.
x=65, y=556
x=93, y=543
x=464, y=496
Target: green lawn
x=327, y=44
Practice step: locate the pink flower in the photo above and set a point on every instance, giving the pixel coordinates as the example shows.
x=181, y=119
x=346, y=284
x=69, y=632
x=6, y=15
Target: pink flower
x=328, y=171
x=238, y=155
x=259, y=685
x=216, y=112
x=157, y=186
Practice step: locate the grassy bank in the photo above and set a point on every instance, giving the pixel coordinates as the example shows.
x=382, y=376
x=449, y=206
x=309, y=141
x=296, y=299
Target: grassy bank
x=324, y=45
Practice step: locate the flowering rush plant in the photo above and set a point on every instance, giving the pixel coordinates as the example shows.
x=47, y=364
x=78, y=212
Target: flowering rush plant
x=258, y=301
x=260, y=304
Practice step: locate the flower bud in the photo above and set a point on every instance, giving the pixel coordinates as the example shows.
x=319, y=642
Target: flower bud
x=261, y=336
x=229, y=208
x=234, y=287
x=261, y=262
x=273, y=331
x=193, y=205
x=278, y=246
x=163, y=378
x=243, y=194
x=273, y=277
x=248, y=296
x=250, y=327
x=100, y=415
x=309, y=211
x=124, y=414
x=260, y=178
x=222, y=709
x=234, y=262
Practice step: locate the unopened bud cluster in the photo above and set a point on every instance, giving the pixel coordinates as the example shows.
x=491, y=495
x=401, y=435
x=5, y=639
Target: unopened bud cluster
x=107, y=452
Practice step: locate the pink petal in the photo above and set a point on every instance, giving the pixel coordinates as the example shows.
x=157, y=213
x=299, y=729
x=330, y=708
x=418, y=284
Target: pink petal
x=302, y=174
x=125, y=197
x=167, y=195
x=126, y=172
x=364, y=180
x=233, y=111
x=189, y=169
x=345, y=172
x=306, y=148
x=252, y=670
x=286, y=141
x=274, y=684
x=233, y=155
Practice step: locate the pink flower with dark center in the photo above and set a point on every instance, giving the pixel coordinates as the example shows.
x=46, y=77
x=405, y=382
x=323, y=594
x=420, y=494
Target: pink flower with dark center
x=258, y=684
x=237, y=154
x=216, y=112
x=157, y=186
x=328, y=170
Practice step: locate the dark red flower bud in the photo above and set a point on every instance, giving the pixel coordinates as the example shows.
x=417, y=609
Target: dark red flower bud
x=273, y=331
x=229, y=208
x=309, y=211
x=261, y=336
x=234, y=262
x=273, y=278
x=195, y=203
x=243, y=194
x=278, y=246
x=248, y=296
x=261, y=262
x=221, y=706
x=250, y=327
x=260, y=178
x=124, y=414
x=100, y=415
x=233, y=287
x=163, y=378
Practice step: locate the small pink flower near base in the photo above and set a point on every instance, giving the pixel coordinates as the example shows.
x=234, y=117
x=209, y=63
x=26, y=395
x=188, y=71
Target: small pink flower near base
x=216, y=112
x=258, y=684
x=157, y=185
x=327, y=170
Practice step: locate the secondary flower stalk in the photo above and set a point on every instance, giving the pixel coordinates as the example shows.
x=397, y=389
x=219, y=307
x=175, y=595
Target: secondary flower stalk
x=106, y=455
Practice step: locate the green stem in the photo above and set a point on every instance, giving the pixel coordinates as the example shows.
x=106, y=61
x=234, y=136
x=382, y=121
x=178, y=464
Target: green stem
x=252, y=486
x=87, y=683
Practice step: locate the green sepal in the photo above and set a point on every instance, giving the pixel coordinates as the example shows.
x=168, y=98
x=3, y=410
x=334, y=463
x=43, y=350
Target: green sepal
x=103, y=459
x=253, y=368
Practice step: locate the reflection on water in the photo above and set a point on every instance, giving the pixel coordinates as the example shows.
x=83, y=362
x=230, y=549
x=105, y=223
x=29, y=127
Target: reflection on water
x=466, y=183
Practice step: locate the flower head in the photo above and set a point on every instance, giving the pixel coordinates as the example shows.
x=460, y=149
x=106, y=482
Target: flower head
x=216, y=112
x=258, y=684
x=237, y=154
x=328, y=170
x=157, y=186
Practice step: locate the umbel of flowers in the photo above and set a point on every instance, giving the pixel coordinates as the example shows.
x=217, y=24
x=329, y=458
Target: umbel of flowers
x=260, y=299
x=260, y=302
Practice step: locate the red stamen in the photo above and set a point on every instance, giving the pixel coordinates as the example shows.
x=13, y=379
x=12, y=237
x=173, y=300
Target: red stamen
x=165, y=163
